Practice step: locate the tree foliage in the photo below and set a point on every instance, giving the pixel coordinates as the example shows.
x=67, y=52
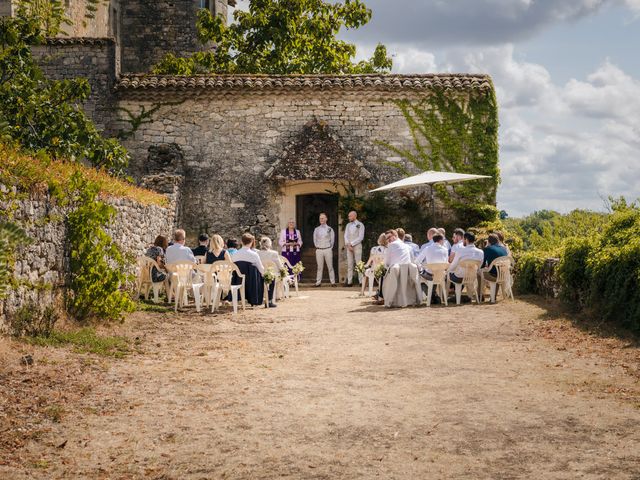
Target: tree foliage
x=41, y=114
x=280, y=37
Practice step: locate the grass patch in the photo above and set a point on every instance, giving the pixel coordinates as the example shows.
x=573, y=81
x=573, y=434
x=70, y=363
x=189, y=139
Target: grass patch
x=39, y=173
x=148, y=306
x=85, y=340
x=54, y=413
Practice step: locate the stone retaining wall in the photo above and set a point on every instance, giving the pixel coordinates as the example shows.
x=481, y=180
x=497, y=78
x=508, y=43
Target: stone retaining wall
x=41, y=268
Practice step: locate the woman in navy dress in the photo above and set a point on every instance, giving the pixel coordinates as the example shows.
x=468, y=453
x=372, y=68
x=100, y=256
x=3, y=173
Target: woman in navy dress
x=216, y=250
x=291, y=243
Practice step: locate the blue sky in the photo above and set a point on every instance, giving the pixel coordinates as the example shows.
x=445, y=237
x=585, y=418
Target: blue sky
x=567, y=75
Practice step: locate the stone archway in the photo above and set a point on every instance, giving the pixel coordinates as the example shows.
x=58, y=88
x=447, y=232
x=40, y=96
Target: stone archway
x=315, y=162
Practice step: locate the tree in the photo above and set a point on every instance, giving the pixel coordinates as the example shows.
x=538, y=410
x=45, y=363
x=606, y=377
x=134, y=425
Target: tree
x=280, y=37
x=41, y=114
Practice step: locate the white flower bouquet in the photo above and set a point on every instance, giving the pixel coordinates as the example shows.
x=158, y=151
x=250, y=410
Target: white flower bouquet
x=297, y=269
x=360, y=268
x=379, y=271
x=269, y=275
x=284, y=272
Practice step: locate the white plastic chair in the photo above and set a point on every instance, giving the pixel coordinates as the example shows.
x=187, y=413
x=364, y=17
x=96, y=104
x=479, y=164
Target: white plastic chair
x=268, y=264
x=439, y=271
x=201, y=259
x=503, y=267
x=289, y=279
x=181, y=281
x=211, y=286
x=144, y=280
x=224, y=273
x=469, y=280
x=369, y=273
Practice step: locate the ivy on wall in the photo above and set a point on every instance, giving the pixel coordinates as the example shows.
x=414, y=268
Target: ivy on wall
x=459, y=133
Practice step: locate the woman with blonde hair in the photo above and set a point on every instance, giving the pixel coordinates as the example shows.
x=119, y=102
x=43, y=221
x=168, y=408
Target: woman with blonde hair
x=216, y=251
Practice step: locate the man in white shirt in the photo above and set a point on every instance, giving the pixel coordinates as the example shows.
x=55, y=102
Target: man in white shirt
x=430, y=233
x=248, y=254
x=458, y=235
x=323, y=239
x=468, y=252
x=446, y=243
x=353, y=236
x=397, y=252
x=434, y=253
x=178, y=252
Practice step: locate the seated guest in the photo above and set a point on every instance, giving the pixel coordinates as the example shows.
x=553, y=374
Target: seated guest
x=397, y=252
x=430, y=233
x=232, y=246
x=435, y=253
x=378, y=249
x=247, y=254
x=203, y=247
x=501, y=242
x=458, y=235
x=415, y=248
x=178, y=252
x=156, y=251
x=268, y=254
x=216, y=251
x=467, y=252
x=443, y=232
x=493, y=251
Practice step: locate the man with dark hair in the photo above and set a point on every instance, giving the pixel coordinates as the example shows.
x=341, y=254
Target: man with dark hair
x=203, y=246
x=493, y=251
x=467, y=252
x=458, y=235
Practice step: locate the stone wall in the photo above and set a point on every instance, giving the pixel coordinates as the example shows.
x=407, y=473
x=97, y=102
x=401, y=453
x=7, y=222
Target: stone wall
x=227, y=145
x=41, y=267
x=150, y=29
x=90, y=58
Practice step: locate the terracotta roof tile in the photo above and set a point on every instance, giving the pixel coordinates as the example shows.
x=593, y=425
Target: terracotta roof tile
x=301, y=82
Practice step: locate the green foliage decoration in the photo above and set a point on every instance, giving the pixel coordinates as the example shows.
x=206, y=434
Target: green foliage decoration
x=41, y=114
x=97, y=279
x=280, y=37
x=459, y=133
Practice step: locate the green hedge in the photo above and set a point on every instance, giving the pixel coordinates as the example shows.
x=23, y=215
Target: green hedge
x=601, y=274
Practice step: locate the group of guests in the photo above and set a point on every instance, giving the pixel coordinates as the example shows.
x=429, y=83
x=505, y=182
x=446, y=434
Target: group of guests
x=398, y=248
x=213, y=249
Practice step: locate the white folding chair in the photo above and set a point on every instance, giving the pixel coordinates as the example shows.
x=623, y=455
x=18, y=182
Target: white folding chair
x=182, y=281
x=144, y=280
x=211, y=286
x=503, y=279
x=289, y=279
x=224, y=273
x=369, y=273
x=469, y=280
x=439, y=271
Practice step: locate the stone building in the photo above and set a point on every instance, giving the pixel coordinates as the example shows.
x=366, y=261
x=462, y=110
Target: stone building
x=250, y=151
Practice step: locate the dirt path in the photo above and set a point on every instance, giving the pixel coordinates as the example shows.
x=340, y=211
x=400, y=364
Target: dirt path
x=330, y=386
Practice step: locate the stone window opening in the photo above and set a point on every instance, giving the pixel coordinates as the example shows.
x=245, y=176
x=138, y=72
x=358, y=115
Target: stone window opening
x=205, y=4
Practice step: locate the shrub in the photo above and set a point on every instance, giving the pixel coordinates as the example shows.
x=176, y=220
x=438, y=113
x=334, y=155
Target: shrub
x=33, y=320
x=572, y=272
x=97, y=265
x=527, y=270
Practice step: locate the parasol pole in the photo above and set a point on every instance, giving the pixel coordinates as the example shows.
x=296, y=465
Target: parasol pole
x=433, y=204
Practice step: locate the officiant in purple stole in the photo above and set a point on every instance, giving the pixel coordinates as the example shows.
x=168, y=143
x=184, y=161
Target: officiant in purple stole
x=291, y=242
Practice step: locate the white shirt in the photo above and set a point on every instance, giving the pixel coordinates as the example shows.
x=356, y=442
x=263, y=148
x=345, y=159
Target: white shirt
x=434, y=253
x=324, y=236
x=470, y=252
x=248, y=255
x=270, y=256
x=456, y=246
x=447, y=244
x=178, y=253
x=397, y=253
x=354, y=233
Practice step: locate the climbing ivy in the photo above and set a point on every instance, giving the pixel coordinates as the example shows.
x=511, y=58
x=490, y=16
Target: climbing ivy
x=97, y=265
x=10, y=237
x=455, y=132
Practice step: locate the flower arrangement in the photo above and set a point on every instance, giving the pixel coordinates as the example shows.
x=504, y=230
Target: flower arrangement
x=284, y=272
x=379, y=271
x=360, y=268
x=269, y=275
x=297, y=269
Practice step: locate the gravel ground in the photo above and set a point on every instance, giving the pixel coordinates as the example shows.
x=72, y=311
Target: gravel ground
x=329, y=386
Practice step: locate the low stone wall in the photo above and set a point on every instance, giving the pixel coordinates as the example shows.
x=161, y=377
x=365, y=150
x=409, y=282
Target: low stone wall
x=41, y=268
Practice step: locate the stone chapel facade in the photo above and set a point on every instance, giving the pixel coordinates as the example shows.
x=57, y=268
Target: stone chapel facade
x=248, y=152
